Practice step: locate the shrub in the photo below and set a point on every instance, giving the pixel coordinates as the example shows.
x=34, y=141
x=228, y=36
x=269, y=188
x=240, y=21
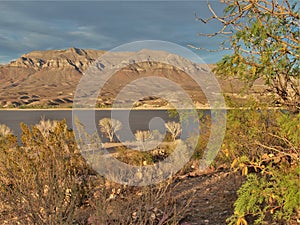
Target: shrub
x=46, y=126
x=272, y=191
x=44, y=181
x=268, y=198
x=155, y=204
x=6, y=137
x=5, y=131
x=246, y=127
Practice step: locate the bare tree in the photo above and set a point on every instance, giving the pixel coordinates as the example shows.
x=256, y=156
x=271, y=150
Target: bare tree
x=174, y=128
x=109, y=127
x=143, y=137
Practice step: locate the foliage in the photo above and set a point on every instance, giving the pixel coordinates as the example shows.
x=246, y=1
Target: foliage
x=247, y=128
x=290, y=128
x=268, y=154
x=109, y=127
x=264, y=38
x=272, y=197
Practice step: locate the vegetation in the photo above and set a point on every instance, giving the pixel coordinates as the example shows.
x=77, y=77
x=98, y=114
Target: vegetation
x=109, y=127
x=263, y=144
x=158, y=204
x=5, y=131
x=174, y=129
x=50, y=183
x=45, y=180
x=143, y=136
x=46, y=126
x=264, y=38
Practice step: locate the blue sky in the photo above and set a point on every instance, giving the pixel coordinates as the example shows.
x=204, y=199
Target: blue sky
x=38, y=25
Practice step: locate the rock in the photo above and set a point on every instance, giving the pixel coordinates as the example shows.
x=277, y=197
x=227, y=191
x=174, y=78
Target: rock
x=223, y=213
x=72, y=58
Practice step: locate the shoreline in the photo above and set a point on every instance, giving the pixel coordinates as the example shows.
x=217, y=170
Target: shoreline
x=96, y=109
x=109, y=109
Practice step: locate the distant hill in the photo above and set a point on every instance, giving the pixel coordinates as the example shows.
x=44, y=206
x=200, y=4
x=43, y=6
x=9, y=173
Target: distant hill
x=44, y=77
x=49, y=78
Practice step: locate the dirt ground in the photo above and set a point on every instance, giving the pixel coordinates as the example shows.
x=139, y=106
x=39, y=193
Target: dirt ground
x=215, y=194
x=210, y=197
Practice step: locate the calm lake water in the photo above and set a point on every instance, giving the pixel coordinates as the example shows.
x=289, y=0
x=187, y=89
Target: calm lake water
x=138, y=119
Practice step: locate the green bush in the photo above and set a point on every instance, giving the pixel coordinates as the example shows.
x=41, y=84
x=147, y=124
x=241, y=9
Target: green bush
x=273, y=196
x=269, y=157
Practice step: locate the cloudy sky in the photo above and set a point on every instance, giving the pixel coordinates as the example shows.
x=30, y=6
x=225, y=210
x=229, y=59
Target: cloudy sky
x=37, y=25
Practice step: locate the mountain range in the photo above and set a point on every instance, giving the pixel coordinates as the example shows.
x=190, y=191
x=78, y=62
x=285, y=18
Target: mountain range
x=49, y=79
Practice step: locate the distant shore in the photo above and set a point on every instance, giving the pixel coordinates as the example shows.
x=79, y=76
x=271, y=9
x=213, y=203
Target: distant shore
x=99, y=109
x=107, y=109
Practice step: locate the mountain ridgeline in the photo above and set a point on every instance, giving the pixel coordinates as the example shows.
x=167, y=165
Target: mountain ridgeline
x=49, y=79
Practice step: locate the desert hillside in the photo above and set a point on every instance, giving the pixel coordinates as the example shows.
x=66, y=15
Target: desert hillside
x=49, y=78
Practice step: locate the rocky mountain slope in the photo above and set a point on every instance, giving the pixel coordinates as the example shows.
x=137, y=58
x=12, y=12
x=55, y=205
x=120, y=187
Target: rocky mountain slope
x=44, y=77
x=49, y=78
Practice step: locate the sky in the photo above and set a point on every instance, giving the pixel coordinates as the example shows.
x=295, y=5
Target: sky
x=41, y=25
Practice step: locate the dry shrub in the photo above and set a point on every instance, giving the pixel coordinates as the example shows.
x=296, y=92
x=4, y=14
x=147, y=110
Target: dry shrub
x=155, y=204
x=44, y=181
x=143, y=137
x=133, y=157
x=7, y=139
x=5, y=131
x=46, y=126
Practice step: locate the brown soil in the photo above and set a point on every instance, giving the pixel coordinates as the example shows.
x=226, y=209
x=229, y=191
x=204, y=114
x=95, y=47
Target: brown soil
x=215, y=194
x=212, y=193
x=211, y=196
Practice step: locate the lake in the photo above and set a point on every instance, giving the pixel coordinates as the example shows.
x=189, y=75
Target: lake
x=138, y=119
